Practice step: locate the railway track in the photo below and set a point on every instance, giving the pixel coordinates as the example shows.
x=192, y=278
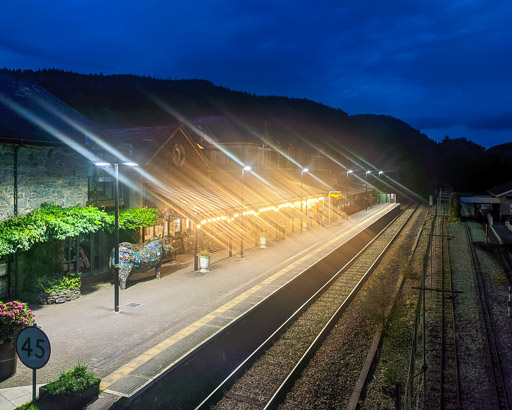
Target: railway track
x=499, y=382
x=274, y=370
x=442, y=381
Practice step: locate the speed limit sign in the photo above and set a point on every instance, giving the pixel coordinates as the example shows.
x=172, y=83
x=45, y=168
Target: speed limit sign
x=33, y=347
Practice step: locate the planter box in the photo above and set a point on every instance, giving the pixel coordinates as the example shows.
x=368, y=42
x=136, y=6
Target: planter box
x=77, y=401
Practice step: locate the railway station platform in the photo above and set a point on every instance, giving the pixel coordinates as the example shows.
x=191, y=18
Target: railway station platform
x=161, y=320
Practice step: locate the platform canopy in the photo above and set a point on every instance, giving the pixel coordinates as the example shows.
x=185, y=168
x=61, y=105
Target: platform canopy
x=215, y=198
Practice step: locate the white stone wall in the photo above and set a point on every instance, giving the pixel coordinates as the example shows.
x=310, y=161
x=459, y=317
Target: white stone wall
x=45, y=174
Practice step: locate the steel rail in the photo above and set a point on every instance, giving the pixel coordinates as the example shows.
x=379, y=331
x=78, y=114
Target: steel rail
x=494, y=354
x=294, y=375
x=370, y=362
x=217, y=393
x=449, y=365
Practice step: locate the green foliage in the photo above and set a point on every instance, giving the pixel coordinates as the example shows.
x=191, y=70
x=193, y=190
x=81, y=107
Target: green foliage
x=55, y=222
x=28, y=406
x=72, y=382
x=132, y=218
x=50, y=283
x=454, y=206
x=205, y=253
x=42, y=258
x=390, y=375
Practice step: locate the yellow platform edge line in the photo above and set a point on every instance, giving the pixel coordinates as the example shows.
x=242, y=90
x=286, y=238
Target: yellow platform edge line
x=149, y=354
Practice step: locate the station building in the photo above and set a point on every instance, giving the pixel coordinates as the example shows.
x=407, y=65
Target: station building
x=214, y=178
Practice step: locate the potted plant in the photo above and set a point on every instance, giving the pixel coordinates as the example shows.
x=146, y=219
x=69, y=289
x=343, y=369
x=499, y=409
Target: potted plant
x=263, y=239
x=72, y=390
x=204, y=261
x=14, y=317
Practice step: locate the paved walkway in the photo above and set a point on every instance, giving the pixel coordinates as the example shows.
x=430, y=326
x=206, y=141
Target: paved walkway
x=161, y=320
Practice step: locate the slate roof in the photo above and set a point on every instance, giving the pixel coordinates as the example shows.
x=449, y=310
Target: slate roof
x=502, y=189
x=20, y=99
x=145, y=141
x=206, y=131
x=224, y=129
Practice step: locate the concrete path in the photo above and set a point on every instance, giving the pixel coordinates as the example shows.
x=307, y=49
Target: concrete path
x=161, y=320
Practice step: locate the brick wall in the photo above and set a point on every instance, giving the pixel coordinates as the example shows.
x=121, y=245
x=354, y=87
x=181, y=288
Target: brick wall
x=45, y=174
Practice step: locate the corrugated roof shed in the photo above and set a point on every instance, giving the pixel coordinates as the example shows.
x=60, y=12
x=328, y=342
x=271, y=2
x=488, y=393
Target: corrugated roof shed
x=502, y=189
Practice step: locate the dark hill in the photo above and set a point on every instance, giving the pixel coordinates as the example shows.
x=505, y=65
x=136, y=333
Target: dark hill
x=118, y=101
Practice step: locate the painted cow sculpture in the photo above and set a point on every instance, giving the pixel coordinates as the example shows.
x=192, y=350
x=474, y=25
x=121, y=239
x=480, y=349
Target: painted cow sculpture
x=134, y=258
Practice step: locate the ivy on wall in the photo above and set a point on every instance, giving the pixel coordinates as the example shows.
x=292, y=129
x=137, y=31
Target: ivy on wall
x=55, y=222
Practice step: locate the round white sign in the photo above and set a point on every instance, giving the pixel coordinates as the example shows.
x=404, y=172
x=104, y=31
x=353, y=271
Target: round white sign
x=33, y=347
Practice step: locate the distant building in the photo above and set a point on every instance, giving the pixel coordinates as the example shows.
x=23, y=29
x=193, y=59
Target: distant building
x=504, y=193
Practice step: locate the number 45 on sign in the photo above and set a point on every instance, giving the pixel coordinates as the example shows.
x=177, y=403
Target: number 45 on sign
x=33, y=348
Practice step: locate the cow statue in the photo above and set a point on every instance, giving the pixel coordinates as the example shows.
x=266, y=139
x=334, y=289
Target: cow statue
x=134, y=258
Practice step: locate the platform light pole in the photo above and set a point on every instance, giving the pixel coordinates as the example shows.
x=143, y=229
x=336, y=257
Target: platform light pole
x=380, y=187
x=115, y=165
x=302, y=172
x=366, y=193
x=244, y=169
x=346, y=199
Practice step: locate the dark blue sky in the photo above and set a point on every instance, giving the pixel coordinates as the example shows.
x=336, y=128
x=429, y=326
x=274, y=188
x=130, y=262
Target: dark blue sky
x=445, y=67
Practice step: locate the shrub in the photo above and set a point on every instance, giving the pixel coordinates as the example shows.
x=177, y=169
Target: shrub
x=28, y=406
x=72, y=382
x=58, y=282
x=14, y=317
x=205, y=253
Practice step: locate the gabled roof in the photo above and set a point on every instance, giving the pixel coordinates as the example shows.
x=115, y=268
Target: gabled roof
x=224, y=129
x=146, y=141
x=502, y=189
x=30, y=113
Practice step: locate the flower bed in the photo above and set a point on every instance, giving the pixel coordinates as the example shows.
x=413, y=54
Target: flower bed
x=73, y=390
x=14, y=317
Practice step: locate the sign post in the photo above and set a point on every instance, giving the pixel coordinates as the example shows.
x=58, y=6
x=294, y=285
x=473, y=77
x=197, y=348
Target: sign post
x=33, y=349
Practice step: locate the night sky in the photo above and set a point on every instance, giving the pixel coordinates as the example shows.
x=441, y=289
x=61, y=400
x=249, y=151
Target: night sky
x=445, y=67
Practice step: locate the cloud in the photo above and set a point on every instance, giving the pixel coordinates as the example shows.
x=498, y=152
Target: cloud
x=501, y=122
x=436, y=63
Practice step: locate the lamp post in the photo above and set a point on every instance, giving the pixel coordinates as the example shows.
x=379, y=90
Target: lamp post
x=366, y=193
x=380, y=187
x=246, y=168
x=116, y=225
x=346, y=199
x=304, y=170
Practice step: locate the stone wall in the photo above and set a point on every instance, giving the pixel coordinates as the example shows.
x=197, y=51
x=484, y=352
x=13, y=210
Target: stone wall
x=59, y=297
x=45, y=174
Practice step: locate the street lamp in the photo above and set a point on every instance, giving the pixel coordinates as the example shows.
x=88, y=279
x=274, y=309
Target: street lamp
x=116, y=225
x=244, y=169
x=380, y=187
x=366, y=194
x=346, y=199
x=304, y=170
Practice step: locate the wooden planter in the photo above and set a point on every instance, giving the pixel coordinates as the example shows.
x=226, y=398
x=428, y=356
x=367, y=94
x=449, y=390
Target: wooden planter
x=8, y=360
x=76, y=401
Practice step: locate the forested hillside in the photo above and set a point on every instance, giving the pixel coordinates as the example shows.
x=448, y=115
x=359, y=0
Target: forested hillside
x=118, y=101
